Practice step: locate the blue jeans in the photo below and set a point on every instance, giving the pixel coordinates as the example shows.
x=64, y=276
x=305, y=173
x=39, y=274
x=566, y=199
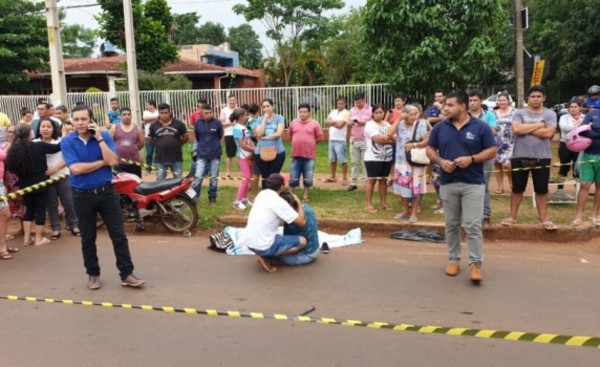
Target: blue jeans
x=302, y=166
x=149, y=152
x=162, y=168
x=204, y=167
x=463, y=203
x=193, y=160
x=279, y=246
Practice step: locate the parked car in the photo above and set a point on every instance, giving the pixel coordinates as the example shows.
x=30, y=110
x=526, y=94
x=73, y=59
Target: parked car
x=490, y=102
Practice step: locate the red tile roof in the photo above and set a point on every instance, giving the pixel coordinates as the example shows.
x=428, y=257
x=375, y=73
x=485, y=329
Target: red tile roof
x=114, y=64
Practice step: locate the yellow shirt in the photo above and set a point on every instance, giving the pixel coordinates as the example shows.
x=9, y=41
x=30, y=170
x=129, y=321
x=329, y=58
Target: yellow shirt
x=4, y=120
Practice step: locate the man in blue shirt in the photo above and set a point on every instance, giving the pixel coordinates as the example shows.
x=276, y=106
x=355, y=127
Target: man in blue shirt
x=476, y=110
x=112, y=116
x=209, y=132
x=90, y=155
x=460, y=145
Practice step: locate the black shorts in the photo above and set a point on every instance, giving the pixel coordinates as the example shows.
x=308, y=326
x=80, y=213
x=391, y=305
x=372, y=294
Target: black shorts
x=230, y=147
x=541, y=176
x=378, y=170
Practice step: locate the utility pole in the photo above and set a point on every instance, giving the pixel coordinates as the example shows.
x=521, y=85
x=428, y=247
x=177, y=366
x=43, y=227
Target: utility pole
x=132, y=75
x=57, y=67
x=519, y=73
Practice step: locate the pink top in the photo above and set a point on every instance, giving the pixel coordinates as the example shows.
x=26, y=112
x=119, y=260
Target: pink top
x=127, y=143
x=304, y=138
x=357, y=132
x=2, y=159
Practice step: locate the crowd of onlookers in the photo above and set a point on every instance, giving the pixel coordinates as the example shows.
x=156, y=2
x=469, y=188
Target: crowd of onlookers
x=386, y=146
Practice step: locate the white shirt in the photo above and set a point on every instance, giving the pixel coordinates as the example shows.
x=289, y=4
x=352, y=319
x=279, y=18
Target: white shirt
x=268, y=211
x=148, y=114
x=377, y=152
x=56, y=158
x=225, y=113
x=339, y=133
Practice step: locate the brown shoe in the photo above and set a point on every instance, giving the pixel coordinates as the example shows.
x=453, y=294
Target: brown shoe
x=266, y=264
x=476, y=273
x=94, y=282
x=132, y=281
x=486, y=224
x=452, y=269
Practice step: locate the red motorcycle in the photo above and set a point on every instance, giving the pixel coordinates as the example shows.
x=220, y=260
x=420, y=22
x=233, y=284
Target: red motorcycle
x=169, y=201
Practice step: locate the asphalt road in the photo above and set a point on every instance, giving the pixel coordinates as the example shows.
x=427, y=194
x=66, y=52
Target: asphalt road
x=533, y=287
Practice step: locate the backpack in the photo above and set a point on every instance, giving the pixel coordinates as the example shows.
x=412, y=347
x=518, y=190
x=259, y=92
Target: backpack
x=576, y=142
x=220, y=241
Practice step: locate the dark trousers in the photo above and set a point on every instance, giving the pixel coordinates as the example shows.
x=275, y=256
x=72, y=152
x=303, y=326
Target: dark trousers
x=88, y=205
x=566, y=156
x=35, y=207
x=266, y=168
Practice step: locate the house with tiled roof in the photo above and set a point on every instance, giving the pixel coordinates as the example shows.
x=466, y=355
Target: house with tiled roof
x=102, y=72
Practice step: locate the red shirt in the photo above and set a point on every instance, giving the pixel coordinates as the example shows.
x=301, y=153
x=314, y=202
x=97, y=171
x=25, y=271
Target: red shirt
x=304, y=138
x=195, y=117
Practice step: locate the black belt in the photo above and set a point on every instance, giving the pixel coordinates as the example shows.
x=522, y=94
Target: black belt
x=96, y=190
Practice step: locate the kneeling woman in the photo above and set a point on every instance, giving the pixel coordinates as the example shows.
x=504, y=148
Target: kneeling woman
x=28, y=161
x=310, y=231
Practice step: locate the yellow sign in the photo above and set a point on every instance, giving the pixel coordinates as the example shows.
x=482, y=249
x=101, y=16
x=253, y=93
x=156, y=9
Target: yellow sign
x=538, y=72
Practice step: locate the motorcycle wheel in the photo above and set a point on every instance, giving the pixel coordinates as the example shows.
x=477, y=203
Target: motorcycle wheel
x=181, y=214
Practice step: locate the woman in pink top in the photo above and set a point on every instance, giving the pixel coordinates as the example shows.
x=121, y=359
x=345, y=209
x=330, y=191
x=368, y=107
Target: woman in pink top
x=4, y=213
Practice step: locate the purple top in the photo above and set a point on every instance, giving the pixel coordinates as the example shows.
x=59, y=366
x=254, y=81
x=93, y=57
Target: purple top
x=127, y=143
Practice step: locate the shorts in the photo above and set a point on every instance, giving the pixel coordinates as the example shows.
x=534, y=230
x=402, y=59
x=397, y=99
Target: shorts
x=3, y=192
x=379, y=170
x=280, y=245
x=337, y=151
x=302, y=166
x=230, y=147
x=589, y=171
x=541, y=176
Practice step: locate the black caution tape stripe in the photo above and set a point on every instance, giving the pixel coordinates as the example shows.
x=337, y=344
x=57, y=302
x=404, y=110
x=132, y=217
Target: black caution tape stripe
x=32, y=188
x=542, y=338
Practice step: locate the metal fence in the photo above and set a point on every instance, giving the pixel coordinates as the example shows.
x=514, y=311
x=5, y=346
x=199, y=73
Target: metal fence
x=183, y=102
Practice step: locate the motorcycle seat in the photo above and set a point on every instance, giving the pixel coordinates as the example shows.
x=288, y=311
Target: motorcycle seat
x=147, y=188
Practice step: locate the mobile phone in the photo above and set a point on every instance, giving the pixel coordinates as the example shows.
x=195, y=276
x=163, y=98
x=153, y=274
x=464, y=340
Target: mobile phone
x=92, y=131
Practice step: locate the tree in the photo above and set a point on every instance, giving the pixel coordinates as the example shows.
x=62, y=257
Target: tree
x=23, y=46
x=153, y=47
x=286, y=21
x=567, y=34
x=245, y=41
x=185, y=30
x=158, y=81
x=211, y=33
x=77, y=41
x=420, y=46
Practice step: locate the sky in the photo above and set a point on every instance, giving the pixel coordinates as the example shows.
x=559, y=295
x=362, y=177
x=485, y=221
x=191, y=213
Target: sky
x=210, y=10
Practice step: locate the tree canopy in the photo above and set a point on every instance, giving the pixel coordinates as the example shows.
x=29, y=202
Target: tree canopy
x=421, y=46
x=23, y=43
x=245, y=41
x=152, y=23
x=211, y=33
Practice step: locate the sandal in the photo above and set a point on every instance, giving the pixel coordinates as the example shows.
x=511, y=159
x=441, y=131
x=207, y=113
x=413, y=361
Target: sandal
x=266, y=264
x=413, y=219
x=344, y=182
x=12, y=250
x=76, y=233
x=387, y=208
x=9, y=237
x=371, y=210
x=576, y=222
x=499, y=192
x=28, y=243
x=331, y=179
x=5, y=255
x=401, y=216
x=44, y=241
x=596, y=222
x=548, y=225
x=507, y=222
x=55, y=236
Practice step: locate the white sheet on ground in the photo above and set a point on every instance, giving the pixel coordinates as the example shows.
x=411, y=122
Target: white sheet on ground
x=353, y=237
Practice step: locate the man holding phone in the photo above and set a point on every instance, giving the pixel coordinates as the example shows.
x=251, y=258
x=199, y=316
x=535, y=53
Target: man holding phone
x=359, y=115
x=90, y=155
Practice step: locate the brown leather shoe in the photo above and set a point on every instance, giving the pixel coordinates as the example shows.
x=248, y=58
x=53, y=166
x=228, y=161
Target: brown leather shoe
x=132, y=281
x=476, y=273
x=452, y=269
x=94, y=282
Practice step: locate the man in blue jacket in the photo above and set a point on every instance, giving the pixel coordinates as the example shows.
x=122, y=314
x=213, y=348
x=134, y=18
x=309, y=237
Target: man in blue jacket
x=209, y=132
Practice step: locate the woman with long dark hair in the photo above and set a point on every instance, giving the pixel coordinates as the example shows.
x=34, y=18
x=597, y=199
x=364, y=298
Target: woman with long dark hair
x=28, y=161
x=49, y=133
